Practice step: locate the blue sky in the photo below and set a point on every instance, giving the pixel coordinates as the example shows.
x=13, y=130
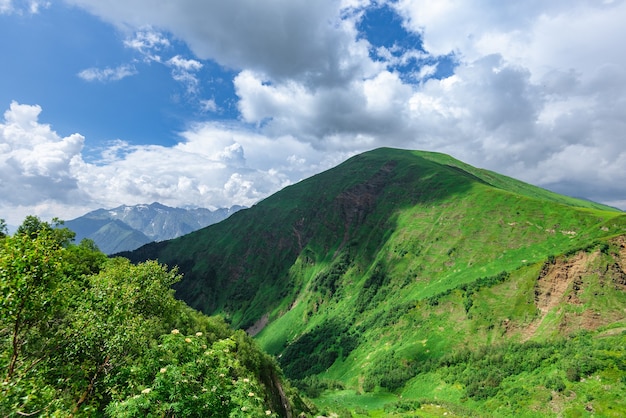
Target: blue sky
x=146, y=105
x=206, y=103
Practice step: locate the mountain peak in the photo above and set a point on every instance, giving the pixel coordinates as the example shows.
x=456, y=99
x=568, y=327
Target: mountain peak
x=376, y=270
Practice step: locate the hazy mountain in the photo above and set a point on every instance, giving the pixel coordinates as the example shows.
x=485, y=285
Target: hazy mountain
x=128, y=227
x=411, y=278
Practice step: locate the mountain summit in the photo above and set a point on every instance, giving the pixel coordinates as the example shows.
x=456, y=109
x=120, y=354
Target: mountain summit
x=376, y=271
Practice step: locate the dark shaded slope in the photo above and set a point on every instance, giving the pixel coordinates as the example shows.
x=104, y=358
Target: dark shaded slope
x=110, y=235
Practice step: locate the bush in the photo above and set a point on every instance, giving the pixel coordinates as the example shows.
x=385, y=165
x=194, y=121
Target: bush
x=555, y=383
x=403, y=406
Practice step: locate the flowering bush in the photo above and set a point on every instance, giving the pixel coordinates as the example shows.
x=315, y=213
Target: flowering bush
x=194, y=377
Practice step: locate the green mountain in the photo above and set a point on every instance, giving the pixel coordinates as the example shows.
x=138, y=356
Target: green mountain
x=414, y=280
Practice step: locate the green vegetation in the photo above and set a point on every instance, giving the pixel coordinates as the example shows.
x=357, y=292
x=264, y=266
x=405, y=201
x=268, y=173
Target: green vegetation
x=83, y=335
x=388, y=283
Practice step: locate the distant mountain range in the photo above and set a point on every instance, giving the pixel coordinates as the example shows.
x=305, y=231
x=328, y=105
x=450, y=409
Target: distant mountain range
x=126, y=228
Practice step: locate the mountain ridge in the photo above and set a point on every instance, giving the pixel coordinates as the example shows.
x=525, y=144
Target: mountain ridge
x=126, y=228
x=371, y=271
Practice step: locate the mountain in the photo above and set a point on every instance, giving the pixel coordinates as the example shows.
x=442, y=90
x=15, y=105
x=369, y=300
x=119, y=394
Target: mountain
x=126, y=228
x=418, y=282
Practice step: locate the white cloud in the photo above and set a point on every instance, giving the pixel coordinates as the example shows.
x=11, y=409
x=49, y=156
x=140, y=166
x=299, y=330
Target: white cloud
x=392, y=59
x=183, y=71
x=21, y=6
x=209, y=167
x=283, y=39
x=208, y=105
x=542, y=36
x=355, y=117
x=36, y=164
x=6, y=6
x=107, y=74
x=184, y=64
x=148, y=42
x=35, y=6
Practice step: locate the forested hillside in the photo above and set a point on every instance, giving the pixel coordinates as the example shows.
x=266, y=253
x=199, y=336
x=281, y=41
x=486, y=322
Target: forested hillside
x=84, y=335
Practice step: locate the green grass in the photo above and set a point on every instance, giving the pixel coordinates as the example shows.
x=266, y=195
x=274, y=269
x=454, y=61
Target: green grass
x=355, y=403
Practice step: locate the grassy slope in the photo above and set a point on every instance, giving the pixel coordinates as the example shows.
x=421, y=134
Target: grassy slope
x=361, y=269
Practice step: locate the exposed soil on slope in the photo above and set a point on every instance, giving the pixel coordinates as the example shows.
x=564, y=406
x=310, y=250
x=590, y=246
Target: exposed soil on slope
x=619, y=268
x=563, y=282
x=562, y=279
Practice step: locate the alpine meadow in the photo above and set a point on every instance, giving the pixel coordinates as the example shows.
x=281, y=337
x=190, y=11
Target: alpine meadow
x=407, y=283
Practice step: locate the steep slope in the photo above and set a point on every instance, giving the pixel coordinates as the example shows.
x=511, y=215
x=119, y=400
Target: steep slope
x=368, y=272
x=126, y=228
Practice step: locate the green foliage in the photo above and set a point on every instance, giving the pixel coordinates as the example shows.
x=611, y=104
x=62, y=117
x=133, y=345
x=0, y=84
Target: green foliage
x=83, y=335
x=316, y=350
x=313, y=386
x=327, y=281
x=390, y=373
x=555, y=383
x=33, y=227
x=405, y=405
x=194, y=377
x=371, y=293
x=484, y=372
x=39, y=289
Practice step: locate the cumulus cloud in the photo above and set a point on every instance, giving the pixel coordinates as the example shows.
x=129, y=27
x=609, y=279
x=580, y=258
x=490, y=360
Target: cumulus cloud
x=542, y=36
x=107, y=74
x=44, y=174
x=36, y=164
x=360, y=114
x=208, y=167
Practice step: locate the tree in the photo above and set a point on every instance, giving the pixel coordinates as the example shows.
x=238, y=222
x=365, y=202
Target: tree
x=71, y=321
x=33, y=289
x=32, y=226
x=4, y=231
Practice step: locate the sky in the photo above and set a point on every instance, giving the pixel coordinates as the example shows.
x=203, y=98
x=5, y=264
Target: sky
x=207, y=103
